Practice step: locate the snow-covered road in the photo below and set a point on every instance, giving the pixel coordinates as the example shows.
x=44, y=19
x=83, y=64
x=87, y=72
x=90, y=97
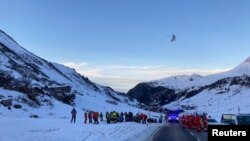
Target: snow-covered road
x=26, y=129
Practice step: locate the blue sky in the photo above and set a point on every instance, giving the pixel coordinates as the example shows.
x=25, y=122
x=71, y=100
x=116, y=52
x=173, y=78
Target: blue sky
x=123, y=42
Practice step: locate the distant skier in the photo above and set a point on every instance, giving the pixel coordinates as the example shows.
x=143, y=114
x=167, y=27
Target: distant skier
x=85, y=117
x=73, y=113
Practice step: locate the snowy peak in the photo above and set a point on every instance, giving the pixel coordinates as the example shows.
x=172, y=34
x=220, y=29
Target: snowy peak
x=242, y=69
x=196, y=80
x=4, y=35
x=247, y=60
x=178, y=82
x=10, y=43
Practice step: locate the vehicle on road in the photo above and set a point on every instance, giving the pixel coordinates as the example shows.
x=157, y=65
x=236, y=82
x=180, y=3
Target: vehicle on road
x=226, y=118
x=240, y=119
x=173, y=117
x=212, y=121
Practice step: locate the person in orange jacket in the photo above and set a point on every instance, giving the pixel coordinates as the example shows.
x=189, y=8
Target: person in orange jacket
x=198, y=123
x=205, y=123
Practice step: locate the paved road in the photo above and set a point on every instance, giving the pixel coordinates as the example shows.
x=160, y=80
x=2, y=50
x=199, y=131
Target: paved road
x=177, y=133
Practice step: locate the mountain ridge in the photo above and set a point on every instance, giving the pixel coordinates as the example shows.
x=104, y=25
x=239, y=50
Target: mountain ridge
x=39, y=80
x=186, y=86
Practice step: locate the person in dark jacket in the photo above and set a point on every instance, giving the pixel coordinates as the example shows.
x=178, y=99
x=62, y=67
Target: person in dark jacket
x=108, y=117
x=90, y=115
x=101, y=116
x=73, y=117
x=122, y=117
x=85, y=117
x=126, y=116
x=130, y=116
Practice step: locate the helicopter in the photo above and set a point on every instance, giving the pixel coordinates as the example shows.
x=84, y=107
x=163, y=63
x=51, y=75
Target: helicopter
x=173, y=37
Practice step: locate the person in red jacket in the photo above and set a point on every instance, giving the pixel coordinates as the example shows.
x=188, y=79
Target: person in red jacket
x=198, y=123
x=144, y=118
x=85, y=117
x=95, y=117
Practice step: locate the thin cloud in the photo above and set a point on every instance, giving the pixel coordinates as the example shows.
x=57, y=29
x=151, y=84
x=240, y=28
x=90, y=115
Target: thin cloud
x=81, y=64
x=123, y=77
x=132, y=67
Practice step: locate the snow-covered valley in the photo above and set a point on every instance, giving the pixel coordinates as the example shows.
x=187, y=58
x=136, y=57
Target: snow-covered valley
x=48, y=129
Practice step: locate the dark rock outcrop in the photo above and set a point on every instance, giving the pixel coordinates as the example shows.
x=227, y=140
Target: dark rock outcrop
x=149, y=95
x=17, y=106
x=7, y=102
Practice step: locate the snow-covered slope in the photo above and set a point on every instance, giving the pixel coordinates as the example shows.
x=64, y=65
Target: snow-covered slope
x=229, y=94
x=199, y=92
x=215, y=102
x=25, y=75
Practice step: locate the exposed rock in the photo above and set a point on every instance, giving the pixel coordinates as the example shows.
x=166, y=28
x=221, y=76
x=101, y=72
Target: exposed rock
x=34, y=116
x=17, y=106
x=149, y=95
x=1, y=96
x=112, y=102
x=7, y=102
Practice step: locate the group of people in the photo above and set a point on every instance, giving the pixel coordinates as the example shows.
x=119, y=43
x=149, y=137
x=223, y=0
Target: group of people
x=93, y=117
x=195, y=121
x=113, y=117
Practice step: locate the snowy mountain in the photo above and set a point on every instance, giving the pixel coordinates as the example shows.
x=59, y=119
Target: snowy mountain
x=195, y=80
x=195, y=89
x=32, y=85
